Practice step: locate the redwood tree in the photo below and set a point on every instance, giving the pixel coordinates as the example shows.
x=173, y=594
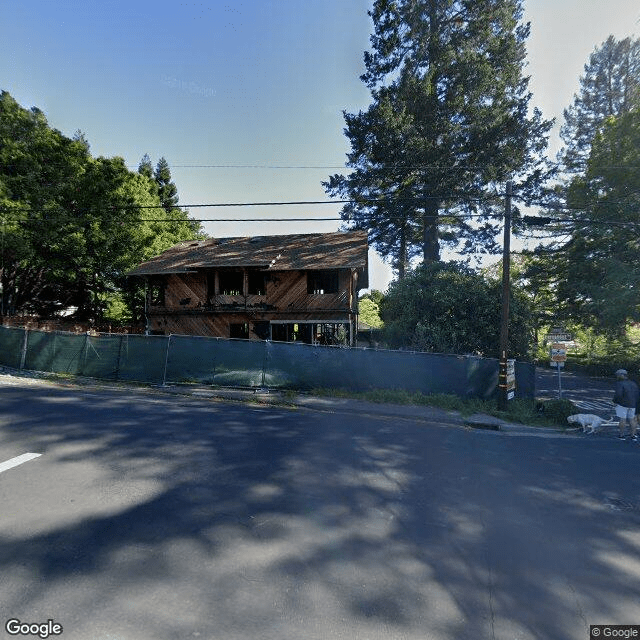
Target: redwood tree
x=449, y=123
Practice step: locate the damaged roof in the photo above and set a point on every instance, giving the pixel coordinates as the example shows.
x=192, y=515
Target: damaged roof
x=339, y=250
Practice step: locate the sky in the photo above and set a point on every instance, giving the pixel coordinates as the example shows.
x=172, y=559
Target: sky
x=245, y=99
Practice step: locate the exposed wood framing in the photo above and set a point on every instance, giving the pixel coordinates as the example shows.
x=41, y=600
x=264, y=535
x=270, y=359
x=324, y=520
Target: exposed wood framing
x=188, y=309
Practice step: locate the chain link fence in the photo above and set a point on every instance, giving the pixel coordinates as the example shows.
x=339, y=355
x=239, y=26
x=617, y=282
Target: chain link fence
x=254, y=364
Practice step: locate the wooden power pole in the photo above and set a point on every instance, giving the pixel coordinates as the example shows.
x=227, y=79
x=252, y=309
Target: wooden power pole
x=504, y=325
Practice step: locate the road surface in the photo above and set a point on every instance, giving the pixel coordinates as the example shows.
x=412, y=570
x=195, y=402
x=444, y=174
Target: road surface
x=590, y=395
x=155, y=517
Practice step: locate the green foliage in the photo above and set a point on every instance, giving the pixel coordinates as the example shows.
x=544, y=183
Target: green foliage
x=448, y=308
x=447, y=122
x=551, y=413
x=145, y=167
x=369, y=309
x=588, y=272
x=167, y=190
x=116, y=309
x=595, y=273
x=556, y=411
x=73, y=225
x=609, y=87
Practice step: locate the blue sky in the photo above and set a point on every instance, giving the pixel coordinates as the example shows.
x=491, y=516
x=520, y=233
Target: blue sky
x=250, y=87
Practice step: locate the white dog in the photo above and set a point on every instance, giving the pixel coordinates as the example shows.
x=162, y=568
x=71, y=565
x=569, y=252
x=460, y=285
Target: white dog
x=589, y=422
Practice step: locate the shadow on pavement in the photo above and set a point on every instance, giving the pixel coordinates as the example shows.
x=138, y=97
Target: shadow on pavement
x=212, y=520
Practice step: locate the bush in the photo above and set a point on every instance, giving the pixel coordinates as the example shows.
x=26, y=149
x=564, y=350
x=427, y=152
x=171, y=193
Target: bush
x=449, y=308
x=556, y=410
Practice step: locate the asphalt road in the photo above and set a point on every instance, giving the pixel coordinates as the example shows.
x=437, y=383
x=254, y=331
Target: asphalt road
x=153, y=517
x=591, y=395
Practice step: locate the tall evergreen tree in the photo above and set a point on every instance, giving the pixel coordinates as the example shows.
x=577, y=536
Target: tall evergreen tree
x=145, y=167
x=589, y=258
x=167, y=190
x=609, y=87
x=597, y=269
x=447, y=125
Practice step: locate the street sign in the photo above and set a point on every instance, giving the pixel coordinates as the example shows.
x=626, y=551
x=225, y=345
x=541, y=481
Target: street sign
x=511, y=379
x=558, y=334
x=558, y=353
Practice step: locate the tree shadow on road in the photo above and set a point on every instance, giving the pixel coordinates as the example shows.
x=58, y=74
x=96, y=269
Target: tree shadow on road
x=174, y=518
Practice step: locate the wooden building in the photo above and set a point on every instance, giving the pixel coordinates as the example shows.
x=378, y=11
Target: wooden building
x=300, y=287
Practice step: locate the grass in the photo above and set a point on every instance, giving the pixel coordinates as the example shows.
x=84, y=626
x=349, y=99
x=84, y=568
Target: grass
x=525, y=411
x=552, y=413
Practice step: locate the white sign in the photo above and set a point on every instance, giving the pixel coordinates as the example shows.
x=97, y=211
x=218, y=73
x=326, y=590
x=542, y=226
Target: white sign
x=558, y=334
x=558, y=353
x=511, y=379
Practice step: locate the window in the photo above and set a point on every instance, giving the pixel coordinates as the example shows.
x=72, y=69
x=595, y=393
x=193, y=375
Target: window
x=156, y=292
x=211, y=286
x=262, y=329
x=322, y=281
x=239, y=330
x=231, y=283
x=257, y=283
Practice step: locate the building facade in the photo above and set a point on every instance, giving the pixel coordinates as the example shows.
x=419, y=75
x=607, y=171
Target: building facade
x=300, y=287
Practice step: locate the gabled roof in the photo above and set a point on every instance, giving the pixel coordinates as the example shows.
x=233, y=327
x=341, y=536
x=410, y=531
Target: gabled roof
x=278, y=253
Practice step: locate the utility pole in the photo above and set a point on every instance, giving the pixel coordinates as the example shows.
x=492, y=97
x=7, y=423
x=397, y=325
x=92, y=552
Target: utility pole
x=504, y=325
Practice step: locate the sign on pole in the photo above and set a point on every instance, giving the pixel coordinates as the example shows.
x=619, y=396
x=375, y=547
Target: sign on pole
x=558, y=355
x=511, y=379
x=558, y=334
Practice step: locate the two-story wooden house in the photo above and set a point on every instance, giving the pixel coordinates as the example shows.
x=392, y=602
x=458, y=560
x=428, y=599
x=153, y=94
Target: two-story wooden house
x=291, y=287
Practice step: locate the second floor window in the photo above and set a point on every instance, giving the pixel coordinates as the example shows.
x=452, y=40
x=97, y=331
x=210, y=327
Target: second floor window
x=256, y=283
x=156, y=292
x=231, y=283
x=324, y=281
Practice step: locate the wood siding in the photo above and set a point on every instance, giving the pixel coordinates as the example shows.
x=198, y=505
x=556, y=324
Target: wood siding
x=187, y=310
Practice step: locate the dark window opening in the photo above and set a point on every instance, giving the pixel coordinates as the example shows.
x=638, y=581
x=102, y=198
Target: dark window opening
x=262, y=329
x=239, y=330
x=322, y=281
x=231, y=283
x=156, y=293
x=257, y=283
x=211, y=286
x=292, y=332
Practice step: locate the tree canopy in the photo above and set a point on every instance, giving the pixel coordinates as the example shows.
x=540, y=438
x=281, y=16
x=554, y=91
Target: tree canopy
x=72, y=225
x=597, y=269
x=448, y=123
x=609, y=87
x=445, y=307
x=589, y=261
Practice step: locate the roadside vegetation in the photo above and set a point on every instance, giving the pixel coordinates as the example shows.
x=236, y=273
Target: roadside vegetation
x=550, y=413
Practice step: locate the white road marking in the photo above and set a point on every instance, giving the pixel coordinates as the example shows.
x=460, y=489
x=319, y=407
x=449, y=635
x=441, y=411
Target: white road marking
x=596, y=405
x=14, y=462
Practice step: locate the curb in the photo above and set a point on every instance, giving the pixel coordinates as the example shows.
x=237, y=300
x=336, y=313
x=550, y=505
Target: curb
x=275, y=398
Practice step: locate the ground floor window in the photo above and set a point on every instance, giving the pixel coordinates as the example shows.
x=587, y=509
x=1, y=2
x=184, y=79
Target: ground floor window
x=239, y=330
x=326, y=333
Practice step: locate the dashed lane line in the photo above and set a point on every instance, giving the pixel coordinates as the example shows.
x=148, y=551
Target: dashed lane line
x=14, y=462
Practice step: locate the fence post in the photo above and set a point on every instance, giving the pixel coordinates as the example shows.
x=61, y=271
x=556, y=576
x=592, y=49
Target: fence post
x=23, y=355
x=86, y=352
x=264, y=364
x=166, y=360
x=117, y=371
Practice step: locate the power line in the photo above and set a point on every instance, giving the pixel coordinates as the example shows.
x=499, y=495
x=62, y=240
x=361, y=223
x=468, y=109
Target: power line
x=362, y=201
